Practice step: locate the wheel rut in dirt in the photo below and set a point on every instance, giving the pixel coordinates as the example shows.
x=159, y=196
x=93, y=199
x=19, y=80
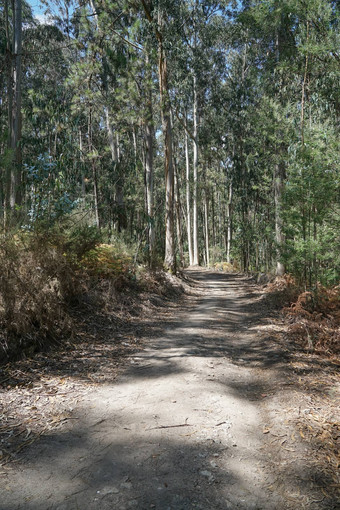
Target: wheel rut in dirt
x=183, y=427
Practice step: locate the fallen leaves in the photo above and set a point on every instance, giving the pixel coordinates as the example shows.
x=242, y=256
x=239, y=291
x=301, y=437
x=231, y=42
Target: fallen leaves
x=29, y=410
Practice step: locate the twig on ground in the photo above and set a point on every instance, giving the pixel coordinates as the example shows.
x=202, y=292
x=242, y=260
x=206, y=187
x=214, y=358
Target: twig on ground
x=171, y=426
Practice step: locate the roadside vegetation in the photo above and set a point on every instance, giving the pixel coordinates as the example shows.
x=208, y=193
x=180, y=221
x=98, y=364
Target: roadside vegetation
x=51, y=275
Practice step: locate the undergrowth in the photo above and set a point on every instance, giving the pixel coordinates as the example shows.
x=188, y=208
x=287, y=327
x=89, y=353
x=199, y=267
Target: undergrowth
x=313, y=316
x=315, y=320
x=46, y=272
x=226, y=267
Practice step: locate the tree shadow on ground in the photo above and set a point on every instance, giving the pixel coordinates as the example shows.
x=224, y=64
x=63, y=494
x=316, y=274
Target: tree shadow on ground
x=89, y=468
x=231, y=335
x=114, y=475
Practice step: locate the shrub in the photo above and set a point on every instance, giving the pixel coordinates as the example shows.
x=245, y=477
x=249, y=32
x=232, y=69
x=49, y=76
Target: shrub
x=45, y=271
x=226, y=267
x=103, y=261
x=41, y=276
x=31, y=283
x=315, y=320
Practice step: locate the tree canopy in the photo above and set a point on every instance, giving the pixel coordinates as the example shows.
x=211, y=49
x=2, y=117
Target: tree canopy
x=198, y=131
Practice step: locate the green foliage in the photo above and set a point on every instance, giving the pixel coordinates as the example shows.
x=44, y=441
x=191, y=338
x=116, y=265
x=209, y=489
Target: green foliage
x=49, y=195
x=105, y=262
x=311, y=208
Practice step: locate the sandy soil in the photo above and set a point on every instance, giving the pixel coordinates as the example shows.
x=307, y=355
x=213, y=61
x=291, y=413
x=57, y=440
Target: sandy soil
x=206, y=416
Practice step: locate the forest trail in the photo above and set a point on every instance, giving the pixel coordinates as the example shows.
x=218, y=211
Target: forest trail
x=187, y=425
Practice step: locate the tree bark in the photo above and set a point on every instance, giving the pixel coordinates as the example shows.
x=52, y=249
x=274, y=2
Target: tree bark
x=94, y=170
x=303, y=92
x=178, y=219
x=14, y=108
x=169, y=258
x=7, y=183
x=188, y=212
x=83, y=182
x=195, y=168
x=278, y=190
x=229, y=220
x=115, y=157
x=206, y=225
x=149, y=138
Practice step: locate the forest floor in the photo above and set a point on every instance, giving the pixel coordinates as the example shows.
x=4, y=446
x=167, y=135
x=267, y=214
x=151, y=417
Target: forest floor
x=195, y=402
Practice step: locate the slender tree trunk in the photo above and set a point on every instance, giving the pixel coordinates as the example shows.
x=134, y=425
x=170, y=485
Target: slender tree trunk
x=303, y=92
x=119, y=185
x=95, y=191
x=188, y=212
x=14, y=107
x=169, y=259
x=121, y=213
x=244, y=187
x=195, y=167
x=83, y=182
x=149, y=138
x=7, y=184
x=135, y=149
x=279, y=178
x=206, y=227
x=278, y=190
x=213, y=218
x=178, y=218
x=229, y=220
x=94, y=170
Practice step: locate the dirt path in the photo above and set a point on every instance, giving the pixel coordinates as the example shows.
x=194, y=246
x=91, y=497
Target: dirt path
x=191, y=423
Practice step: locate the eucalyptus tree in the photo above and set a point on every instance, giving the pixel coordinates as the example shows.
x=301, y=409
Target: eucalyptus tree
x=314, y=151
x=158, y=15
x=247, y=103
x=11, y=36
x=198, y=63
x=291, y=42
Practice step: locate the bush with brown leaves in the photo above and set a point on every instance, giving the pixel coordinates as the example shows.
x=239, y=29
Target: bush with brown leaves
x=315, y=320
x=40, y=278
x=37, y=282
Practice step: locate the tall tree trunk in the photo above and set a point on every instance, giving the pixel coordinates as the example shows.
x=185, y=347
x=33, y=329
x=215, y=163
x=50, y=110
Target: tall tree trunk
x=14, y=107
x=303, y=92
x=278, y=190
x=195, y=167
x=169, y=258
x=279, y=171
x=94, y=170
x=206, y=228
x=149, y=138
x=7, y=183
x=244, y=180
x=120, y=203
x=83, y=182
x=115, y=158
x=188, y=212
x=229, y=219
x=178, y=218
